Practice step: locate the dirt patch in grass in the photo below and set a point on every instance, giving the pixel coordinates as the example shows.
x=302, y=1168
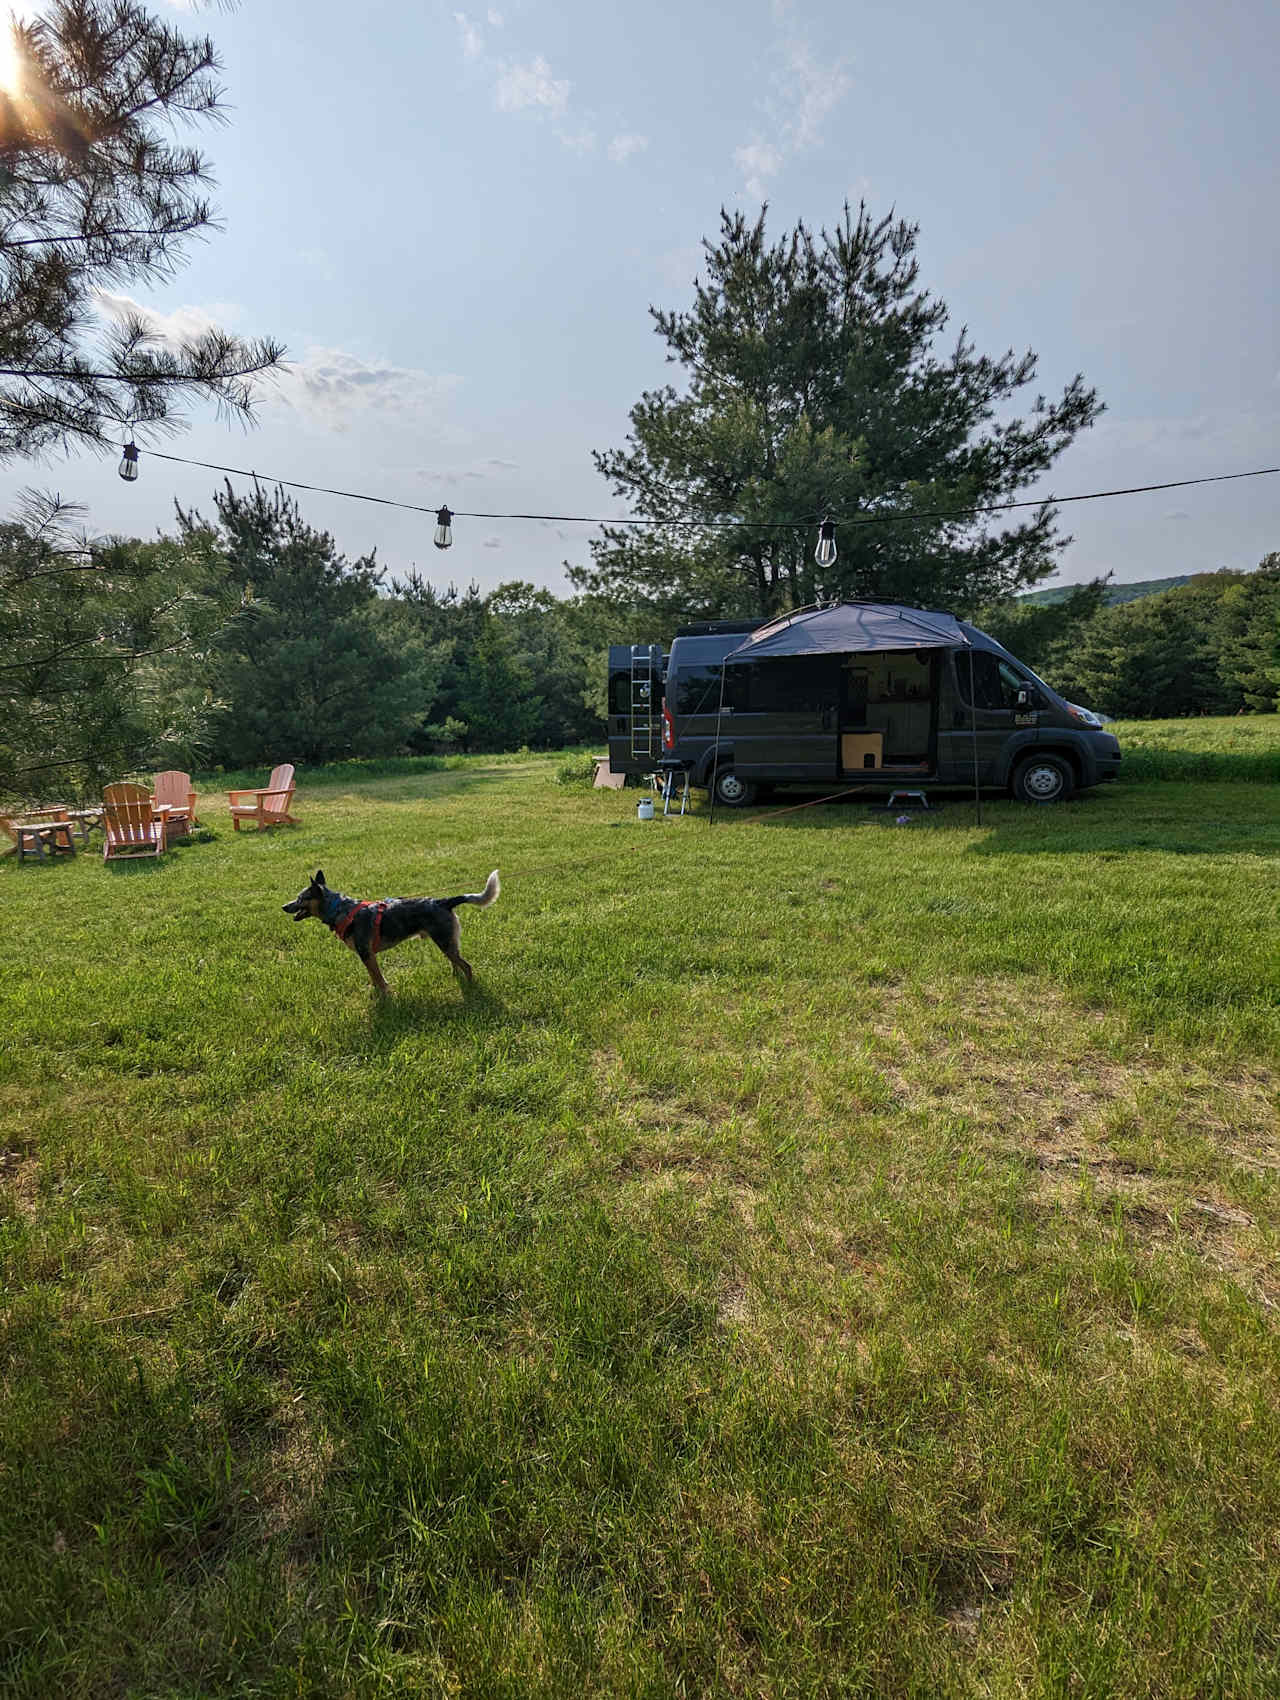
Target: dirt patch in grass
x=1093, y=1129
x=1062, y=1085
x=20, y=1180
x=293, y=1478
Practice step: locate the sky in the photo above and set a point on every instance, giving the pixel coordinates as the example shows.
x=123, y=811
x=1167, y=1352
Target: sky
x=457, y=220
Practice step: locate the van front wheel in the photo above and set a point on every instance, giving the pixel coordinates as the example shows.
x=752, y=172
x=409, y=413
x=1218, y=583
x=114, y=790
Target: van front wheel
x=1043, y=779
x=731, y=791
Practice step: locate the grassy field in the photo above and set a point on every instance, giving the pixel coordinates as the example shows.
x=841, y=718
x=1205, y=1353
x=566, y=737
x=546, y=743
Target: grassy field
x=817, y=1256
x=1242, y=747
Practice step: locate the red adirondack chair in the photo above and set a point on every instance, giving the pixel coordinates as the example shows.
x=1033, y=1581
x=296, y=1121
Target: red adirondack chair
x=130, y=824
x=268, y=807
x=174, y=788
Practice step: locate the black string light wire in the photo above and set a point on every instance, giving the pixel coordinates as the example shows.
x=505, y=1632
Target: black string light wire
x=852, y=521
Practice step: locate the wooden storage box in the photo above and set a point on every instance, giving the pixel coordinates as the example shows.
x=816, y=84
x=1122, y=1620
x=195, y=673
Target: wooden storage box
x=861, y=751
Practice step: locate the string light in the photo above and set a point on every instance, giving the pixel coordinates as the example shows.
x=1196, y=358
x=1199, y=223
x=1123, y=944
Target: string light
x=826, y=539
x=825, y=553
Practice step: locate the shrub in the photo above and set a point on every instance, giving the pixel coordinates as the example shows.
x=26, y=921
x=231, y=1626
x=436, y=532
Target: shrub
x=579, y=770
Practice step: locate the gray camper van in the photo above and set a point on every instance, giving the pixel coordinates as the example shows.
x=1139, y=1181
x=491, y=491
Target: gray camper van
x=890, y=696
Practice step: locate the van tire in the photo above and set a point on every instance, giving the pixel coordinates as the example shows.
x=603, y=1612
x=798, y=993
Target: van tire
x=730, y=791
x=1043, y=779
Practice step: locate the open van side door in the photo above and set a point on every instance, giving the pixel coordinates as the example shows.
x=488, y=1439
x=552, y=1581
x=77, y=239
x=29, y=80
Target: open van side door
x=636, y=673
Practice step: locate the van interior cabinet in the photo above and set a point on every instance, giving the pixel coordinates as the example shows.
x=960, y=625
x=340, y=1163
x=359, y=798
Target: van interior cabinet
x=859, y=750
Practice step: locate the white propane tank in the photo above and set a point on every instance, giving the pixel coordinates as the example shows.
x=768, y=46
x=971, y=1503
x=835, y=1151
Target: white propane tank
x=644, y=809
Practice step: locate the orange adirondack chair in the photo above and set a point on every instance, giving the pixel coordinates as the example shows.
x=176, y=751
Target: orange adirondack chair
x=174, y=788
x=130, y=824
x=270, y=806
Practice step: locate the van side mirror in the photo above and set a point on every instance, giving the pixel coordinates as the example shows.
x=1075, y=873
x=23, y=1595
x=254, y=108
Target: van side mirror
x=1023, y=698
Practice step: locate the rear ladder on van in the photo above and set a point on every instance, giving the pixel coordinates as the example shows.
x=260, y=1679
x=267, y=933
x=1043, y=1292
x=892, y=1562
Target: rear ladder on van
x=646, y=701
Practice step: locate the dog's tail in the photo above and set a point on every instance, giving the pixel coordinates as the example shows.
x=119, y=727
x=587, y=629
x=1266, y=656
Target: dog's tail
x=484, y=898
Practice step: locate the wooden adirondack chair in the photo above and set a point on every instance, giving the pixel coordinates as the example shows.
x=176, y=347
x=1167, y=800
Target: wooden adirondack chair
x=174, y=788
x=270, y=806
x=43, y=833
x=130, y=824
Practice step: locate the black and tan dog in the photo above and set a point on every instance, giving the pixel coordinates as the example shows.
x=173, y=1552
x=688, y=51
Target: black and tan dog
x=371, y=927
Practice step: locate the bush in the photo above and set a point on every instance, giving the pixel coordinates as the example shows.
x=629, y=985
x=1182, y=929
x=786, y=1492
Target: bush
x=578, y=770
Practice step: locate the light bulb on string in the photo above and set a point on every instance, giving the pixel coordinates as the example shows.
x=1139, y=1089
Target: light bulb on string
x=825, y=553
x=129, y=462
x=444, y=534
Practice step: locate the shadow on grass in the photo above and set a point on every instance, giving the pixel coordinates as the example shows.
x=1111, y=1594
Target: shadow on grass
x=1107, y=840
x=133, y=866
x=864, y=806
x=1176, y=820
x=439, y=1007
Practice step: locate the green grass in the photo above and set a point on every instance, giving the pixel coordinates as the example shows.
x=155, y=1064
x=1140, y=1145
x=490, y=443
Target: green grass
x=816, y=1257
x=1242, y=747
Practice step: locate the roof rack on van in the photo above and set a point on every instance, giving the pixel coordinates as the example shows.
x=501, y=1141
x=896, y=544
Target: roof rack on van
x=712, y=628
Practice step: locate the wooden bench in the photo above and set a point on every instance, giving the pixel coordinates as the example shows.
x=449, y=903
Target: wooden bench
x=44, y=833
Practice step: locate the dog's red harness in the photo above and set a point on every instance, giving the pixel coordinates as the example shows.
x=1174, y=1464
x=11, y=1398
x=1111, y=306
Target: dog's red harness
x=342, y=927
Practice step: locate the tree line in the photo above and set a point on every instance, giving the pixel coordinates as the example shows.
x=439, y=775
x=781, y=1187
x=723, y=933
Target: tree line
x=247, y=638
x=1210, y=646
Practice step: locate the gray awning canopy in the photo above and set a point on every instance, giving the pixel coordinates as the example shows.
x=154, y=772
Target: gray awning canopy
x=852, y=627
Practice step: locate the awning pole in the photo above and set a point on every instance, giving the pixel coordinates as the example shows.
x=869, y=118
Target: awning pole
x=715, y=753
x=973, y=728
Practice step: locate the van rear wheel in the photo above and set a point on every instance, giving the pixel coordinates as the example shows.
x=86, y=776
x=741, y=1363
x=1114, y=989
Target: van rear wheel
x=1043, y=779
x=731, y=791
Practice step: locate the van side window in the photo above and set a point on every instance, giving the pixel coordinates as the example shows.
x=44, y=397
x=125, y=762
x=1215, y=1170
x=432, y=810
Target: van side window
x=697, y=689
x=1013, y=682
x=995, y=683
x=806, y=684
x=988, y=690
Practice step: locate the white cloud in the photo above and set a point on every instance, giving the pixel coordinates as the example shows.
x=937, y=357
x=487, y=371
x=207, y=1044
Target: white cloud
x=522, y=86
x=805, y=94
x=812, y=92
x=472, y=40
x=622, y=147
x=531, y=86
x=173, y=329
x=492, y=543
x=578, y=141
x=758, y=161
x=329, y=385
x=447, y=476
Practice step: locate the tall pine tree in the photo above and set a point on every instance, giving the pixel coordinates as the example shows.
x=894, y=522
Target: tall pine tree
x=97, y=189
x=812, y=382
x=324, y=666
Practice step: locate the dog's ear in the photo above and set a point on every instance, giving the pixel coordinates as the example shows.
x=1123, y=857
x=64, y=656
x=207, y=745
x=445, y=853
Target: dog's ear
x=319, y=879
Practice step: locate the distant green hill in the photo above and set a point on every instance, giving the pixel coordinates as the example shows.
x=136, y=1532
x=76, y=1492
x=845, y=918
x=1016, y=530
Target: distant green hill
x=1115, y=592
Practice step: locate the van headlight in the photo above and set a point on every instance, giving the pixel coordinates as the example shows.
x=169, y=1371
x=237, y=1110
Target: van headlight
x=1085, y=716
